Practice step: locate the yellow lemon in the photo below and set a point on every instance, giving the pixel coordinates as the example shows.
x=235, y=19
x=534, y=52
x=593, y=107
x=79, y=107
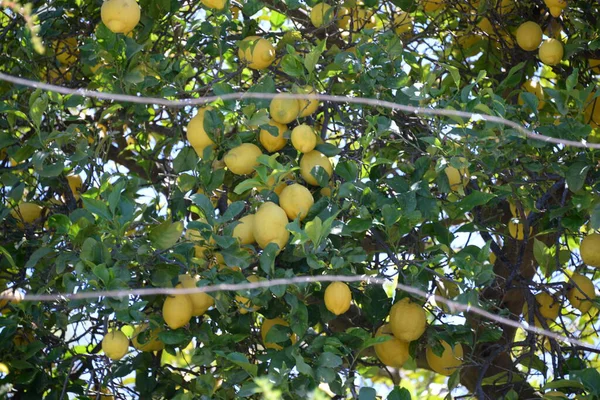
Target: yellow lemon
x=201, y=302
x=296, y=200
x=581, y=293
x=120, y=16
x=22, y=337
x=304, y=138
x=547, y=307
x=284, y=110
x=245, y=303
x=273, y=143
x=456, y=177
x=194, y=236
x=66, y=51
x=266, y=327
x=75, y=184
x=403, y=23
x=26, y=213
x=535, y=88
x=115, y=345
x=517, y=230
x=214, y=4
x=177, y=310
x=196, y=134
x=551, y=52
x=242, y=159
x=446, y=289
x=338, y=298
x=450, y=360
x=17, y=297
x=594, y=65
x=407, y=320
x=314, y=159
x=590, y=250
x=430, y=6
x=257, y=52
x=393, y=353
x=321, y=14
x=270, y=225
x=244, y=231
x=592, y=111
x=307, y=106
x=529, y=36
x=151, y=341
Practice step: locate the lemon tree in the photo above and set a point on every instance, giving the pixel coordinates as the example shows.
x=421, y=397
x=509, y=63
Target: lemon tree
x=107, y=193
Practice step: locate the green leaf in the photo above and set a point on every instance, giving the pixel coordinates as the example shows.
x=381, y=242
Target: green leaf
x=399, y=393
x=473, y=200
x=186, y=160
x=311, y=59
x=97, y=207
x=313, y=230
x=292, y=65
x=367, y=393
x=542, y=255
x=347, y=170
x=101, y=272
x=37, y=256
x=165, y=235
x=174, y=337
x=240, y=360
x=328, y=359
x=301, y=365
x=576, y=175
x=328, y=149
x=233, y=210
x=267, y=258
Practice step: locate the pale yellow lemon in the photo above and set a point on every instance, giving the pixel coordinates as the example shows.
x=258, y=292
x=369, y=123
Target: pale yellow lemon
x=296, y=200
x=242, y=159
x=407, y=320
x=529, y=36
x=196, y=134
x=590, y=250
x=304, y=138
x=314, y=159
x=338, y=298
x=551, y=52
x=283, y=109
x=393, y=353
x=273, y=143
x=257, y=52
x=120, y=16
x=581, y=293
x=320, y=14
x=270, y=225
x=244, y=230
x=201, y=302
x=115, y=345
x=450, y=360
x=177, y=310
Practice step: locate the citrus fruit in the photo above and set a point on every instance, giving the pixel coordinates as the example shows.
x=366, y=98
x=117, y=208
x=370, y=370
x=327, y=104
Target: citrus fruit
x=581, y=293
x=26, y=213
x=590, y=250
x=594, y=65
x=150, y=340
x=284, y=110
x=393, y=353
x=66, y=51
x=314, y=159
x=75, y=184
x=551, y=52
x=517, y=230
x=245, y=304
x=244, y=231
x=457, y=177
x=242, y=159
x=115, y=345
x=17, y=297
x=338, y=298
x=446, y=289
x=535, y=88
x=201, y=302
x=592, y=111
x=304, y=138
x=296, y=200
x=403, y=23
x=177, y=310
x=450, y=360
x=257, y=52
x=266, y=327
x=321, y=14
x=214, y=4
x=273, y=143
x=432, y=5
x=547, y=307
x=196, y=134
x=407, y=320
x=120, y=16
x=529, y=36
x=270, y=225
x=309, y=105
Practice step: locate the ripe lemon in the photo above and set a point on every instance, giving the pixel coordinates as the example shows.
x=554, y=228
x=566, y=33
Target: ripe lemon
x=338, y=298
x=407, y=320
x=450, y=360
x=296, y=200
x=515, y=212
x=194, y=236
x=456, y=177
x=115, y=345
x=196, y=134
x=177, y=310
x=535, y=88
x=446, y=289
x=245, y=304
x=66, y=51
x=284, y=110
x=307, y=106
x=266, y=327
x=273, y=143
x=547, y=307
x=120, y=16
x=403, y=23
x=551, y=52
x=270, y=225
x=244, y=231
x=26, y=213
x=393, y=353
x=592, y=111
x=17, y=298
x=590, y=250
x=311, y=160
x=241, y=160
x=594, y=65
x=529, y=36
x=257, y=52
x=583, y=289
x=75, y=184
x=304, y=138
x=22, y=337
x=214, y=4
x=151, y=341
x=201, y=302
x=430, y=6
x=517, y=230
x=321, y=14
